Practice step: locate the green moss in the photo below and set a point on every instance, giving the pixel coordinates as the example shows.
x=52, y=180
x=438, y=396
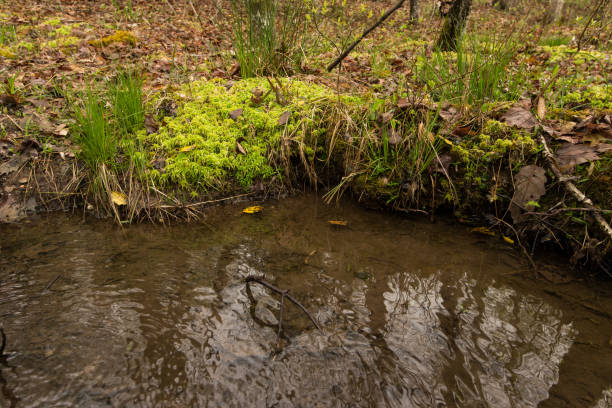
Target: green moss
x=61, y=42
x=119, y=36
x=495, y=141
x=562, y=52
x=7, y=52
x=55, y=21
x=199, y=145
x=597, y=96
x=63, y=30
x=25, y=44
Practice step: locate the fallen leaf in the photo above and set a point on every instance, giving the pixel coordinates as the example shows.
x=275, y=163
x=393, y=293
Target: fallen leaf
x=338, y=222
x=284, y=118
x=257, y=97
x=10, y=100
x=61, y=130
x=187, y=148
x=519, y=117
x=483, y=231
x=443, y=162
x=403, y=103
x=235, y=114
x=151, y=124
x=386, y=117
x=508, y=240
x=395, y=137
x=118, y=198
x=239, y=147
x=570, y=155
x=462, y=131
x=529, y=185
x=541, y=108
x=448, y=114
x=13, y=164
x=253, y=209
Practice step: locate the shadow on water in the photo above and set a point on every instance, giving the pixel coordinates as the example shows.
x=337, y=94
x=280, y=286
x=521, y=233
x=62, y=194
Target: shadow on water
x=413, y=315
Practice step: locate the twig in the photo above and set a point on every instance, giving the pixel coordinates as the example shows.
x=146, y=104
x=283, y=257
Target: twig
x=2, y=342
x=365, y=33
x=280, y=99
x=197, y=16
x=14, y=123
x=518, y=241
x=52, y=282
x=571, y=187
x=171, y=7
x=179, y=205
x=283, y=293
x=280, y=318
x=595, y=10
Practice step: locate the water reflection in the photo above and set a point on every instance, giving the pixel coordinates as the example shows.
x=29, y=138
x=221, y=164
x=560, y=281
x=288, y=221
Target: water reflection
x=412, y=316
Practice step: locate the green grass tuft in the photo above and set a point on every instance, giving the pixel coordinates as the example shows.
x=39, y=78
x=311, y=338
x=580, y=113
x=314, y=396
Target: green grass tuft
x=127, y=102
x=93, y=132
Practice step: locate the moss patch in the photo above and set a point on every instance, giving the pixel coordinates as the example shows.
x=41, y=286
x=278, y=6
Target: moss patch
x=200, y=144
x=119, y=36
x=7, y=52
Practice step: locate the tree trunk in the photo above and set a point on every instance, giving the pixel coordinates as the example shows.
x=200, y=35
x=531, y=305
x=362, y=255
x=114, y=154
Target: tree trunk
x=414, y=10
x=553, y=12
x=454, y=25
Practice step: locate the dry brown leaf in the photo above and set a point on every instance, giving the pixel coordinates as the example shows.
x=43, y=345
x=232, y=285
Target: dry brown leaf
x=257, y=97
x=239, y=148
x=394, y=136
x=541, y=108
x=519, y=117
x=118, y=198
x=151, y=124
x=236, y=113
x=529, y=185
x=284, y=118
x=403, y=103
x=570, y=155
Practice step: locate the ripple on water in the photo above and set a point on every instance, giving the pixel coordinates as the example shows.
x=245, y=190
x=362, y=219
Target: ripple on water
x=413, y=314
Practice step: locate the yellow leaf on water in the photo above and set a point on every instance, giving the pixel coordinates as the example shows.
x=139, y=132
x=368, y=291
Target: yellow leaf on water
x=483, y=231
x=508, y=240
x=187, y=148
x=118, y=198
x=253, y=210
x=342, y=223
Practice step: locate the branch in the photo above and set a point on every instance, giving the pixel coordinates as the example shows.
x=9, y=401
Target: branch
x=365, y=33
x=571, y=187
x=284, y=294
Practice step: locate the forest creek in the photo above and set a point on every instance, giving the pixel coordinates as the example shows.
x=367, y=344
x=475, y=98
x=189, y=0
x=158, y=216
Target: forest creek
x=306, y=203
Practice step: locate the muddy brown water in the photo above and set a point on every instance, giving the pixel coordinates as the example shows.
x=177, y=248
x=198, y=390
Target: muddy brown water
x=413, y=314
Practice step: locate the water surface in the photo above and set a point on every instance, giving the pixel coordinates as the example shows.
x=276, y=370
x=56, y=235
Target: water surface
x=413, y=314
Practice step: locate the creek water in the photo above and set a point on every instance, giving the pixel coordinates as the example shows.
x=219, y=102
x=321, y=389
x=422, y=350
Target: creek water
x=412, y=314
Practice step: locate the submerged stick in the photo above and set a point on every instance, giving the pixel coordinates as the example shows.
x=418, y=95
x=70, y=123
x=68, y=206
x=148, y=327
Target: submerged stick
x=52, y=282
x=365, y=33
x=280, y=318
x=2, y=341
x=283, y=293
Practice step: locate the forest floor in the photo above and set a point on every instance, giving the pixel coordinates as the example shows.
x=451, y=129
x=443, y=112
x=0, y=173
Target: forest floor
x=398, y=126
